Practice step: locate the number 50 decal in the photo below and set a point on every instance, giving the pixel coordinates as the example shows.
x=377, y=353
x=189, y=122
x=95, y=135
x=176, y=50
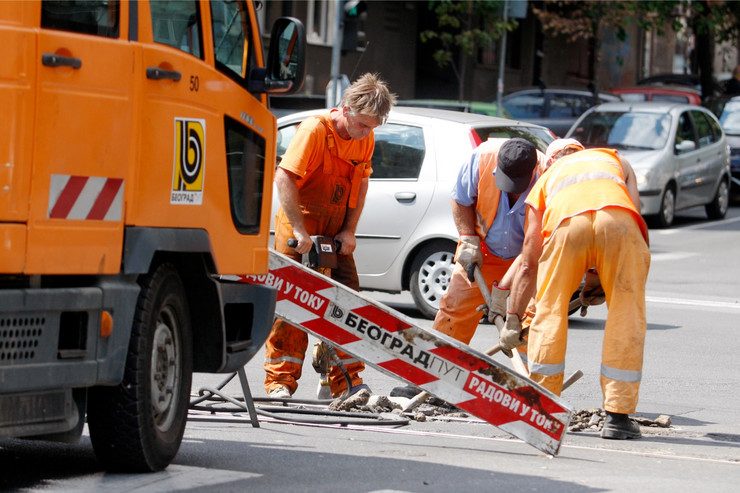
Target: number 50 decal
x=188, y=170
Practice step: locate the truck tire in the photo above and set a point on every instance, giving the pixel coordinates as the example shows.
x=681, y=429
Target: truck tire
x=138, y=425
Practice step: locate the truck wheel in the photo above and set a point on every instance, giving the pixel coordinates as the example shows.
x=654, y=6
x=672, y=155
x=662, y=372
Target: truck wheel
x=138, y=425
x=431, y=271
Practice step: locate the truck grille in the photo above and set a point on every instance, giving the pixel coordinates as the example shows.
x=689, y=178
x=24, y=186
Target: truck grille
x=19, y=338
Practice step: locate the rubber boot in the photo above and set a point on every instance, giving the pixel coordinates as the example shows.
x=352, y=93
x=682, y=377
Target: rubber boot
x=619, y=426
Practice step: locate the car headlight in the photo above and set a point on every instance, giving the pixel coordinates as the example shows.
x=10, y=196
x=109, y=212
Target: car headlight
x=642, y=177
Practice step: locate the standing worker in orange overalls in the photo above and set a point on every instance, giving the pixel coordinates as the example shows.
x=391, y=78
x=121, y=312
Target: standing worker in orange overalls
x=584, y=215
x=321, y=182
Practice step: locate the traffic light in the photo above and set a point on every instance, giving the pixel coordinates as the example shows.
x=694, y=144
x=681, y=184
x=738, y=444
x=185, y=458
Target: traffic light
x=353, y=25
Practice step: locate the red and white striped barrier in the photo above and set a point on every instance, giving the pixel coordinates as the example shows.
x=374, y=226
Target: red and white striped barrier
x=390, y=342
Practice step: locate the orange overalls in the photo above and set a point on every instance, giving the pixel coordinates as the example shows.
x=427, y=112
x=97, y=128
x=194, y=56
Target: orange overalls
x=457, y=315
x=590, y=221
x=330, y=170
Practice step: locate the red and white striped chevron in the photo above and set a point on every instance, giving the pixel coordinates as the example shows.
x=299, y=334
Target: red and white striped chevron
x=85, y=197
x=391, y=342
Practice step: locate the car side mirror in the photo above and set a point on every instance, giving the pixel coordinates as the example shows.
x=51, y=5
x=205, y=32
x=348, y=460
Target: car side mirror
x=285, y=69
x=685, y=146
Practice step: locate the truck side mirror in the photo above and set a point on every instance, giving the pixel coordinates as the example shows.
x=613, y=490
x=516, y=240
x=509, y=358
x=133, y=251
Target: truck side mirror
x=286, y=62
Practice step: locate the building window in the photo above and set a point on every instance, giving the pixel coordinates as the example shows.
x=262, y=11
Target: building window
x=320, y=21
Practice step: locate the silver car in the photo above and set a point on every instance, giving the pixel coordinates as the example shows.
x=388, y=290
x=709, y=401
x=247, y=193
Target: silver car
x=679, y=153
x=406, y=237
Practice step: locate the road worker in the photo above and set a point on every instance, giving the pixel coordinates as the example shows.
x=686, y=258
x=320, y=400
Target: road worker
x=489, y=211
x=584, y=214
x=321, y=182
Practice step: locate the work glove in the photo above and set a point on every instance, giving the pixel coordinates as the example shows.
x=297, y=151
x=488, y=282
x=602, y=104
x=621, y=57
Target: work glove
x=511, y=334
x=498, y=304
x=468, y=251
x=592, y=293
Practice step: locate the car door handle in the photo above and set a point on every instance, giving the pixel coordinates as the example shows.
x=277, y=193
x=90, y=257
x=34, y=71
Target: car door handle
x=157, y=73
x=405, y=197
x=54, y=60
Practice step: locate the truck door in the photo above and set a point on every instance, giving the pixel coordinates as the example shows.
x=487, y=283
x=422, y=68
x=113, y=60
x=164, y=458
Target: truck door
x=82, y=138
x=217, y=134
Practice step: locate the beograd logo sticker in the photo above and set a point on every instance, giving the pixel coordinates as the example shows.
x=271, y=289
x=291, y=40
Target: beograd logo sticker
x=188, y=170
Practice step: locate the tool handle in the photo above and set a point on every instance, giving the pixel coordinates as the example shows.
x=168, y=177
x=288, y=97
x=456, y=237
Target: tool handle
x=292, y=242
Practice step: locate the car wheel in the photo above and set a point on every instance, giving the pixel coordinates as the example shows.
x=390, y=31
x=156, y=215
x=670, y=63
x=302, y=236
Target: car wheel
x=717, y=208
x=431, y=271
x=665, y=216
x=138, y=425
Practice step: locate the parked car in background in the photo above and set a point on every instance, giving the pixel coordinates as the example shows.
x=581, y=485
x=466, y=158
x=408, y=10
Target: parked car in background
x=406, y=237
x=674, y=94
x=679, y=153
x=556, y=109
x=480, y=107
x=687, y=80
x=727, y=109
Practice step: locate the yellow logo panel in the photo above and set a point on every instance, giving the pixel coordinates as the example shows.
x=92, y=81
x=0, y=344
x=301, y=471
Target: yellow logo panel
x=188, y=172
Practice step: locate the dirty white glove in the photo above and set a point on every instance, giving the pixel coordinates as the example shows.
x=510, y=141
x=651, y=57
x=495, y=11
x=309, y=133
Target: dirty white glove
x=592, y=293
x=468, y=251
x=511, y=335
x=498, y=304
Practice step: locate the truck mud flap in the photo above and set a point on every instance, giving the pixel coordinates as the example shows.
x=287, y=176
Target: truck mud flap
x=391, y=343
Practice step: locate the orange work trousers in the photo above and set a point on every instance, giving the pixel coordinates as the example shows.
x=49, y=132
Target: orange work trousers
x=286, y=345
x=458, y=316
x=610, y=240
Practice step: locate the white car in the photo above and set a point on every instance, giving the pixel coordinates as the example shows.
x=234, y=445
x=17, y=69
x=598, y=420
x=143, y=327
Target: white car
x=679, y=153
x=406, y=237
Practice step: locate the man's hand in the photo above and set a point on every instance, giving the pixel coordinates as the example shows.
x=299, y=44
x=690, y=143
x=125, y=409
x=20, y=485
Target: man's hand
x=592, y=292
x=468, y=252
x=498, y=304
x=511, y=335
x=304, y=242
x=346, y=240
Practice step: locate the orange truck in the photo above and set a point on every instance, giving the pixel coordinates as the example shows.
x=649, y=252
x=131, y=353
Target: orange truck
x=136, y=169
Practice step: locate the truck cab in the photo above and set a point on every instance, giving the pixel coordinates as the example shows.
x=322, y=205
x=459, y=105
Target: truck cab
x=136, y=172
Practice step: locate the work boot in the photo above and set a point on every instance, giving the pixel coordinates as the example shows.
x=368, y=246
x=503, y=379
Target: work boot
x=619, y=426
x=279, y=392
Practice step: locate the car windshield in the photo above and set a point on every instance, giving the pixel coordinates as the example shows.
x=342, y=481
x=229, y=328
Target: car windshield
x=538, y=136
x=624, y=130
x=730, y=118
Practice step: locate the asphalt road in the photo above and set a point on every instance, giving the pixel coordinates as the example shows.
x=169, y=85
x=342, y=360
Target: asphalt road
x=690, y=374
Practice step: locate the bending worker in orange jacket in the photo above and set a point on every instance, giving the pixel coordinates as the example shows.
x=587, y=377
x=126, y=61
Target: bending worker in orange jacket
x=321, y=182
x=489, y=211
x=584, y=212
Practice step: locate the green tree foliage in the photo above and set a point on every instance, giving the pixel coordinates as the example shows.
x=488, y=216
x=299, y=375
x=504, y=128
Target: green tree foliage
x=464, y=27
x=711, y=22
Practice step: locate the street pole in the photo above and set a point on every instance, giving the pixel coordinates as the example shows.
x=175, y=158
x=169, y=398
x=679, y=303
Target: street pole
x=336, y=52
x=501, y=62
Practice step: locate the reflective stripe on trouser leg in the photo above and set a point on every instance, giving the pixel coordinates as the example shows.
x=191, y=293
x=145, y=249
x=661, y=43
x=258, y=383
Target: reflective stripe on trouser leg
x=623, y=264
x=457, y=316
x=285, y=349
x=561, y=267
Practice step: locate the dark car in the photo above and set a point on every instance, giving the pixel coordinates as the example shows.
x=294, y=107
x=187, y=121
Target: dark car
x=556, y=109
x=727, y=110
